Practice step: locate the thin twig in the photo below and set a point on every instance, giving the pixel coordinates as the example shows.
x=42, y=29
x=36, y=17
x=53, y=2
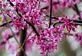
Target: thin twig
x=25, y=20
x=4, y=24
x=53, y=3
x=77, y=10
x=10, y=25
x=34, y=29
x=11, y=29
x=50, y=21
x=10, y=3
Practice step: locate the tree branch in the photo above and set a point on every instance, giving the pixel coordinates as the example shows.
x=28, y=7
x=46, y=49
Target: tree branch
x=33, y=28
x=77, y=10
x=50, y=21
x=78, y=22
x=10, y=3
x=22, y=39
x=25, y=20
x=4, y=24
x=53, y=3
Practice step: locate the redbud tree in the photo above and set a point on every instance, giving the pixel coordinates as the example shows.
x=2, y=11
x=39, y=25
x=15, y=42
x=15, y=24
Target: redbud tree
x=27, y=22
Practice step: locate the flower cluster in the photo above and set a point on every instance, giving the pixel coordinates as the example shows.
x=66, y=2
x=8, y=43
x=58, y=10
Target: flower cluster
x=25, y=10
x=49, y=39
x=25, y=13
x=68, y=24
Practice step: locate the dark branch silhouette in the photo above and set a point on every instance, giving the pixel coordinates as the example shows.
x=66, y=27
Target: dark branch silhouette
x=4, y=24
x=77, y=10
x=50, y=21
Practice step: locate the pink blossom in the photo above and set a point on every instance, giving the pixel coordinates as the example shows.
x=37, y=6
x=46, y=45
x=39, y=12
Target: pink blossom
x=6, y=34
x=79, y=37
x=49, y=39
x=81, y=15
x=69, y=24
x=28, y=45
x=12, y=46
x=20, y=11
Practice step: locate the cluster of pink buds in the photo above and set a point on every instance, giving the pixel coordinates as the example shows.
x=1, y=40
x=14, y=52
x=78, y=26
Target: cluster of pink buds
x=27, y=15
x=67, y=23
